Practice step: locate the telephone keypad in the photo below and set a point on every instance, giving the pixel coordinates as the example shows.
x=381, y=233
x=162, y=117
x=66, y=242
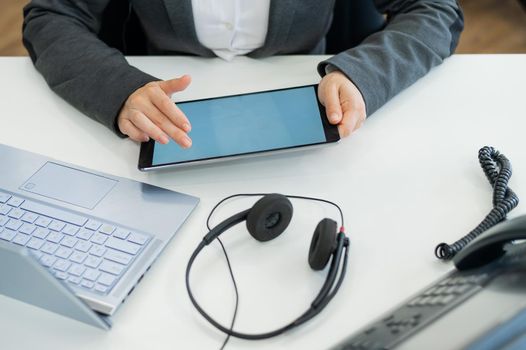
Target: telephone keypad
x=419, y=311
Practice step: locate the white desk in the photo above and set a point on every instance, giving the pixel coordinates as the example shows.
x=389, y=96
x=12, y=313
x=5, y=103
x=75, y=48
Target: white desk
x=407, y=180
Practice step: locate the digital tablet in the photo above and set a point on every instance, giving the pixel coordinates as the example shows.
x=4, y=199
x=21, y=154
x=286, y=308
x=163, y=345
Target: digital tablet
x=243, y=125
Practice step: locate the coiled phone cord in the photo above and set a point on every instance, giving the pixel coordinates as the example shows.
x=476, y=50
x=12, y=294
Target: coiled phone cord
x=498, y=171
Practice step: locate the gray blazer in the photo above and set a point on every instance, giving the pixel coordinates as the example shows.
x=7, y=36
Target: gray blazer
x=61, y=38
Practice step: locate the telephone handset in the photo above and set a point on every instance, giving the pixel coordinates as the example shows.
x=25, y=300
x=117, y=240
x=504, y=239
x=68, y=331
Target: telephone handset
x=492, y=244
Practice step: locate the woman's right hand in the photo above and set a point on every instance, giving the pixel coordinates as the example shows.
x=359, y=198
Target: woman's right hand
x=149, y=112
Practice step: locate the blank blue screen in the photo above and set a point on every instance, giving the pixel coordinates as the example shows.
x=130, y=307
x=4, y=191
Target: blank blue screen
x=247, y=123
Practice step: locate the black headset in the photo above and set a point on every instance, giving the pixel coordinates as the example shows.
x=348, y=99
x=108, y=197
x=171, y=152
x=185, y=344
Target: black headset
x=266, y=220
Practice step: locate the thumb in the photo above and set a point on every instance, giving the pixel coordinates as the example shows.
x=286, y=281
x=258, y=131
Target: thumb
x=332, y=106
x=174, y=85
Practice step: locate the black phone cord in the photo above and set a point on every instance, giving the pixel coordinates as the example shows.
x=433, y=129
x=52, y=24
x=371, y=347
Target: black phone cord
x=498, y=172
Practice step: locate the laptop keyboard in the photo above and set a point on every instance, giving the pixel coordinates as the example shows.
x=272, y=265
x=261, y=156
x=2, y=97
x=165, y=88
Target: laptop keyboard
x=86, y=253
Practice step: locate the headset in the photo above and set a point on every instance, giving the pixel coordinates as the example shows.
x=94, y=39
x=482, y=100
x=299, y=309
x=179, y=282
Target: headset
x=266, y=220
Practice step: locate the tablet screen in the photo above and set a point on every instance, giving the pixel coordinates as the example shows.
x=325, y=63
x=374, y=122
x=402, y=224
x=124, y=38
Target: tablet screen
x=248, y=123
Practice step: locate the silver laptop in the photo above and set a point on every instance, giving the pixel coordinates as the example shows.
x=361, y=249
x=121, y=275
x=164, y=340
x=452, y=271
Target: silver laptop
x=97, y=234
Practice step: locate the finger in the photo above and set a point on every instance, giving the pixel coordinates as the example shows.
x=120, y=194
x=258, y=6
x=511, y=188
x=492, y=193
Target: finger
x=127, y=128
x=143, y=123
x=348, y=123
x=332, y=105
x=174, y=85
x=169, y=109
x=359, y=123
x=166, y=125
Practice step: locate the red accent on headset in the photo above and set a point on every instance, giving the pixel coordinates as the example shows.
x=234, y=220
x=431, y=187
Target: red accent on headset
x=342, y=229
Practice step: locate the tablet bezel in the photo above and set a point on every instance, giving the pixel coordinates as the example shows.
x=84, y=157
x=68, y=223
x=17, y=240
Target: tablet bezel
x=330, y=131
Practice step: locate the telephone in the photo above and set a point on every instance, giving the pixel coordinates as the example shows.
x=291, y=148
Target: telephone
x=482, y=304
x=459, y=311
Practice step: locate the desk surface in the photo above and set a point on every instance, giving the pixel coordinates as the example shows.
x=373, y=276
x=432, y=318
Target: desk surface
x=407, y=180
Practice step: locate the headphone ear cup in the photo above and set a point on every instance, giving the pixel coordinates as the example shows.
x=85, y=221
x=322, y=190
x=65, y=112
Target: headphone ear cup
x=269, y=217
x=322, y=244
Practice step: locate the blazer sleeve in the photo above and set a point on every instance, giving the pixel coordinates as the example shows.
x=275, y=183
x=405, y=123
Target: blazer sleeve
x=419, y=35
x=61, y=38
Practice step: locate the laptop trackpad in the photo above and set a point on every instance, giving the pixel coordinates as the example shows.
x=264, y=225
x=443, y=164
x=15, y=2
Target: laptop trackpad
x=69, y=185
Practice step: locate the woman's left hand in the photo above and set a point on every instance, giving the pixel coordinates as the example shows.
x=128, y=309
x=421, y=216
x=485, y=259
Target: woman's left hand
x=343, y=102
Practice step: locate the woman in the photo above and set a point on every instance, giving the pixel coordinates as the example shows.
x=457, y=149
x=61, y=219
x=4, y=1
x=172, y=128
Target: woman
x=62, y=37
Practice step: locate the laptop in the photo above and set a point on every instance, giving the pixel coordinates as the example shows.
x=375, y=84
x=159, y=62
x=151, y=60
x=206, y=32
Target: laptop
x=94, y=233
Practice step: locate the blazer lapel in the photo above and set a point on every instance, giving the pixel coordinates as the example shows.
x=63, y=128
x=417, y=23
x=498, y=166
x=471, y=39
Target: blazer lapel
x=182, y=22
x=281, y=15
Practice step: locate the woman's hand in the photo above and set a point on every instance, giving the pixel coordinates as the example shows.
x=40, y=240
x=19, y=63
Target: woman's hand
x=343, y=102
x=149, y=112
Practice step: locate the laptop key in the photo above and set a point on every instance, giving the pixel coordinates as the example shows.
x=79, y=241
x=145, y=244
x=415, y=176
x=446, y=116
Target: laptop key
x=76, y=270
x=70, y=230
x=29, y=217
x=78, y=257
x=35, y=243
x=85, y=234
x=74, y=279
x=93, y=261
x=42, y=221
x=49, y=248
x=61, y=275
x=61, y=265
x=83, y=246
x=3, y=220
x=123, y=246
x=4, y=197
x=87, y=284
x=97, y=250
x=63, y=252
x=15, y=201
x=56, y=225
x=16, y=213
x=48, y=260
x=138, y=238
x=91, y=274
x=107, y=229
x=21, y=239
x=13, y=224
x=27, y=228
x=120, y=257
x=55, y=237
x=93, y=225
x=101, y=288
x=7, y=235
x=111, y=267
x=99, y=238
x=4, y=209
x=106, y=279
x=41, y=232
x=121, y=233
x=69, y=242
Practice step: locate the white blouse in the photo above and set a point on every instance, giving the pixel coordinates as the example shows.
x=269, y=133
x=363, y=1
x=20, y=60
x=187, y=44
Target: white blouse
x=231, y=27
